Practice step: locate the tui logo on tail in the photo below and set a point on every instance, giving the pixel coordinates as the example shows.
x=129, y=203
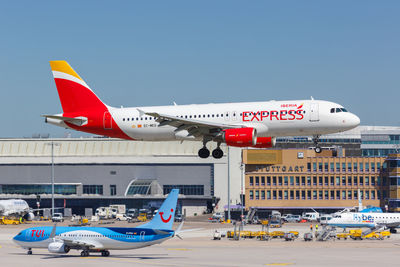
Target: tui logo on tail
x=166, y=220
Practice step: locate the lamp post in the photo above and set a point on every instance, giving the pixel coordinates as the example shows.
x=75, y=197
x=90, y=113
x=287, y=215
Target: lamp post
x=52, y=144
x=229, y=188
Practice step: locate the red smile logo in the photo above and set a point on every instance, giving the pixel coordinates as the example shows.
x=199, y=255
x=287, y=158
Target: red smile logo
x=165, y=220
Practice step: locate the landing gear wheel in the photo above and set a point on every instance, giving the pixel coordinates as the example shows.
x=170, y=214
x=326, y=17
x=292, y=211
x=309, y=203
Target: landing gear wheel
x=318, y=149
x=84, y=253
x=29, y=251
x=105, y=253
x=217, y=153
x=204, y=153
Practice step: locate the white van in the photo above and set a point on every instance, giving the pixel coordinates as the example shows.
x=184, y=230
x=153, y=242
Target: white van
x=311, y=216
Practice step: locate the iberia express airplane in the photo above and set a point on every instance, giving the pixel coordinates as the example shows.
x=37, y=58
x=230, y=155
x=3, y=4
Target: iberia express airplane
x=250, y=124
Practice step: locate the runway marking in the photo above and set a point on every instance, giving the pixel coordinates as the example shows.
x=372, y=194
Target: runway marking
x=182, y=249
x=279, y=264
x=131, y=260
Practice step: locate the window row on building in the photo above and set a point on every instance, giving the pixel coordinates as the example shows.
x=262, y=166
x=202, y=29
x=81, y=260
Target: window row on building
x=59, y=189
x=197, y=190
x=345, y=166
x=316, y=194
x=317, y=180
x=37, y=189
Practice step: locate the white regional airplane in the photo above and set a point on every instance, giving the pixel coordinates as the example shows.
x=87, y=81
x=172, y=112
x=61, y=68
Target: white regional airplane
x=251, y=124
x=373, y=220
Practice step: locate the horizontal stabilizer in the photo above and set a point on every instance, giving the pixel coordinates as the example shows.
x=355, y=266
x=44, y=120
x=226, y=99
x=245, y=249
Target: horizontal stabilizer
x=79, y=121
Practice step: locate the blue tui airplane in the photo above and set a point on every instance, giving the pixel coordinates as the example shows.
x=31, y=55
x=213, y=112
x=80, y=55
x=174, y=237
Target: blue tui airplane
x=102, y=239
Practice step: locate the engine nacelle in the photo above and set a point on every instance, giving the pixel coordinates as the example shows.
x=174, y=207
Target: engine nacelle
x=265, y=142
x=58, y=247
x=240, y=137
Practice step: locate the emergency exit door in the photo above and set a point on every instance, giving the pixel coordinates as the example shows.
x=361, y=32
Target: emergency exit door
x=314, y=112
x=107, y=121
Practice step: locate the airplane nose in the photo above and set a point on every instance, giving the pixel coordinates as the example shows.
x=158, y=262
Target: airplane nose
x=354, y=120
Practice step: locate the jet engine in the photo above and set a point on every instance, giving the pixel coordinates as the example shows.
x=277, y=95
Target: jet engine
x=58, y=247
x=240, y=137
x=265, y=142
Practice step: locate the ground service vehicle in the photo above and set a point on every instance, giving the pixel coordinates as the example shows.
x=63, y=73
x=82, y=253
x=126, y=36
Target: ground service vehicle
x=293, y=218
x=57, y=217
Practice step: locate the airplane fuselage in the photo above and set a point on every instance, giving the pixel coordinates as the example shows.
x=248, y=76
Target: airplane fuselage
x=272, y=118
x=360, y=219
x=101, y=238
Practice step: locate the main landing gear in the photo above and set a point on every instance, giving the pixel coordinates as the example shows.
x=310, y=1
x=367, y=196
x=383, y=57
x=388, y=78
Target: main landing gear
x=216, y=153
x=105, y=253
x=85, y=253
x=205, y=153
x=317, y=148
x=29, y=251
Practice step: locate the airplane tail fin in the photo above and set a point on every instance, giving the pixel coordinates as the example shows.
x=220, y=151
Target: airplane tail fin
x=75, y=95
x=166, y=213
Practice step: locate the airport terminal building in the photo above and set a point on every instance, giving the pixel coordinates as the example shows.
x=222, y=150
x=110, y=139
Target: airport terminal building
x=290, y=180
x=95, y=172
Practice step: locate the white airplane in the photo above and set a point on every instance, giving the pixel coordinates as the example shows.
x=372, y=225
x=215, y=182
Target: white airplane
x=15, y=207
x=102, y=239
x=373, y=220
x=251, y=124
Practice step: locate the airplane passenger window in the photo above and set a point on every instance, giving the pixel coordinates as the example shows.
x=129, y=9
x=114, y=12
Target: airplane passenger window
x=338, y=110
x=213, y=115
x=127, y=119
x=123, y=119
x=332, y=110
x=194, y=116
x=217, y=115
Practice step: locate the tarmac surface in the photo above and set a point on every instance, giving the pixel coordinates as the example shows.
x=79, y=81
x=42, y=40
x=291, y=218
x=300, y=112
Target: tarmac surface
x=198, y=249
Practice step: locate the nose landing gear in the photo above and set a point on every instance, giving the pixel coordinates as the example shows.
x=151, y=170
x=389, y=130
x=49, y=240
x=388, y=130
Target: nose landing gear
x=317, y=148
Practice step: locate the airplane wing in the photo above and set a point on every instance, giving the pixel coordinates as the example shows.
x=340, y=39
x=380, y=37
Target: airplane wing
x=81, y=243
x=194, y=127
x=391, y=225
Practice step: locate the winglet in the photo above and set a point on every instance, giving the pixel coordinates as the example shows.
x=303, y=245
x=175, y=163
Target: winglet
x=53, y=231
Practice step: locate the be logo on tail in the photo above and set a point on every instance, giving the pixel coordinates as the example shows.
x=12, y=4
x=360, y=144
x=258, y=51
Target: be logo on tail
x=165, y=220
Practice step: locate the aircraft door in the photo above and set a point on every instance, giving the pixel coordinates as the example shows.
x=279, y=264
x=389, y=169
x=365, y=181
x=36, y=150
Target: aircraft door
x=314, y=112
x=142, y=233
x=107, y=121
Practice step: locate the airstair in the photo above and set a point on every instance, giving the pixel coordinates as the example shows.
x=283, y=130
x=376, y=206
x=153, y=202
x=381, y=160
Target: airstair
x=327, y=233
x=377, y=228
x=250, y=215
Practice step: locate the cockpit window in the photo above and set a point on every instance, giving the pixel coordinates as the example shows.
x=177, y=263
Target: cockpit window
x=332, y=110
x=344, y=110
x=20, y=233
x=338, y=110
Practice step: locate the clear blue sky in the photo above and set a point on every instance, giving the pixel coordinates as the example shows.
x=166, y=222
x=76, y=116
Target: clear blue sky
x=135, y=53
